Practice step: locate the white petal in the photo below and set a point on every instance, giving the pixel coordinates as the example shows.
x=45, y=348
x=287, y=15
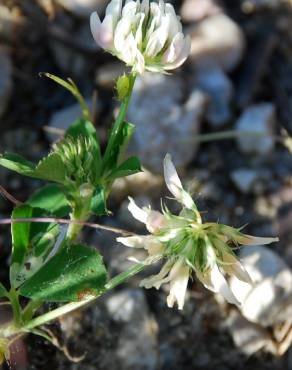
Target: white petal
x=178, y=287
x=171, y=177
x=136, y=241
x=174, y=49
x=181, y=58
x=114, y=9
x=137, y=212
x=155, y=221
x=129, y=54
x=174, y=184
x=145, y=7
x=215, y=281
x=130, y=8
x=155, y=14
x=122, y=31
x=234, y=267
x=157, y=280
x=158, y=38
x=106, y=35
x=148, y=242
x=140, y=62
x=139, y=32
x=175, y=24
x=95, y=24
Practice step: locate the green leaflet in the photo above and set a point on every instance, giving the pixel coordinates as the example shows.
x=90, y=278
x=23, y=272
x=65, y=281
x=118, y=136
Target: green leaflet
x=16, y=163
x=20, y=233
x=31, y=243
x=50, y=168
x=52, y=199
x=131, y=166
x=72, y=274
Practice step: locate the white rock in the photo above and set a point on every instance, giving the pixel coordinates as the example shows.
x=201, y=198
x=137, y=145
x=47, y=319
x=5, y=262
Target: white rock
x=142, y=183
x=194, y=10
x=219, y=88
x=247, y=336
x=269, y=301
x=256, y=128
x=164, y=124
x=10, y=22
x=83, y=8
x=217, y=41
x=137, y=341
x=5, y=79
x=244, y=179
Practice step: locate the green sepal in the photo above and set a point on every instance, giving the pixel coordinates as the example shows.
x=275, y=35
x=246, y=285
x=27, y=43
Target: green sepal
x=52, y=199
x=72, y=274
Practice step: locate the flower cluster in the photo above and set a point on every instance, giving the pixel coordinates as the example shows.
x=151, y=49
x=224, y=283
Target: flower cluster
x=188, y=245
x=145, y=36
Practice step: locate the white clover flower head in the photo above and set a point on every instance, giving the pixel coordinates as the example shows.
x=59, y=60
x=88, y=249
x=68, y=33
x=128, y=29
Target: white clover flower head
x=189, y=246
x=146, y=36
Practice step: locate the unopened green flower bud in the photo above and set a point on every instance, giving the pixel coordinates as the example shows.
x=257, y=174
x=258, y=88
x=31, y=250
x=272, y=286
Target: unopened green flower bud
x=123, y=85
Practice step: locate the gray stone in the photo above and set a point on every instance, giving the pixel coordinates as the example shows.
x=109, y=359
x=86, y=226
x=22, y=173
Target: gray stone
x=219, y=88
x=10, y=22
x=137, y=342
x=269, y=300
x=142, y=183
x=62, y=119
x=5, y=79
x=247, y=336
x=107, y=74
x=244, y=179
x=249, y=6
x=256, y=128
x=267, y=305
x=83, y=8
x=164, y=124
x=217, y=42
x=67, y=58
x=194, y=10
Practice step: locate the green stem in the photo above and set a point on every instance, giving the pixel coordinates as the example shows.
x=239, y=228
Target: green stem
x=30, y=309
x=120, y=119
x=16, y=308
x=77, y=215
x=229, y=134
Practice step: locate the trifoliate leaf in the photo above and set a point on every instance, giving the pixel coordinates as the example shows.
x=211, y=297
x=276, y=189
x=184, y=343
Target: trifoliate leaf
x=72, y=274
